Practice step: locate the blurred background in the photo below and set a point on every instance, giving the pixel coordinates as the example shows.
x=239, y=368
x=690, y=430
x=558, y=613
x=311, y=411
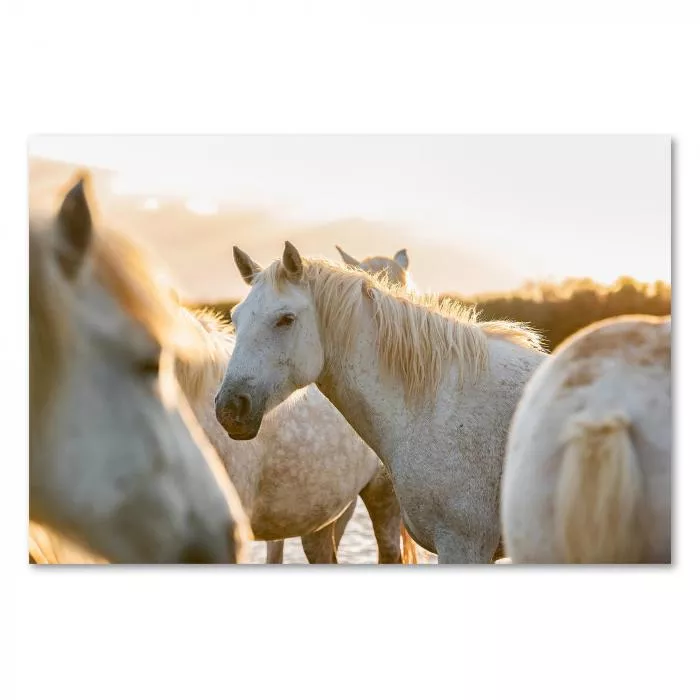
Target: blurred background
x=479, y=215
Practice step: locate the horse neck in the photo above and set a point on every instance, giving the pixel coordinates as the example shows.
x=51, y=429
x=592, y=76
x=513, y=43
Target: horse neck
x=371, y=401
x=375, y=405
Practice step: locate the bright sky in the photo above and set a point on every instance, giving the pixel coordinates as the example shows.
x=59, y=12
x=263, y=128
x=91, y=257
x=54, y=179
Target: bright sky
x=546, y=206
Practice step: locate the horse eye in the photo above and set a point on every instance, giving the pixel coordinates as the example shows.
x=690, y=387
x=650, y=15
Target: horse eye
x=285, y=320
x=151, y=366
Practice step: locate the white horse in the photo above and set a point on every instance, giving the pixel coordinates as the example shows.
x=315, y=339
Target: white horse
x=429, y=388
x=587, y=476
x=394, y=270
x=302, y=474
x=117, y=462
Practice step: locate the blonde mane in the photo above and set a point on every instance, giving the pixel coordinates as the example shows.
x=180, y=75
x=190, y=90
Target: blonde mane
x=199, y=371
x=418, y=336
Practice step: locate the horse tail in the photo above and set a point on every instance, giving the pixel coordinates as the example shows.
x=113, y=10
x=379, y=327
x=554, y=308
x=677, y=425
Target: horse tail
x=599, y=493
x=409, y=553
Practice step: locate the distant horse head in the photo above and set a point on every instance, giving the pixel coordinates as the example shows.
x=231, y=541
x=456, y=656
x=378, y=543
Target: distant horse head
x=395, y=269
x=117, y=460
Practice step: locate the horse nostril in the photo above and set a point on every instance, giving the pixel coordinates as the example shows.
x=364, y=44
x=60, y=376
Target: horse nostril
x=243, y=405
x=220, y=408
x=232, y=408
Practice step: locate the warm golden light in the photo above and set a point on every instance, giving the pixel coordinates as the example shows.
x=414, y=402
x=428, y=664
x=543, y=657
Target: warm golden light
x=477, y=214
x=201, y=206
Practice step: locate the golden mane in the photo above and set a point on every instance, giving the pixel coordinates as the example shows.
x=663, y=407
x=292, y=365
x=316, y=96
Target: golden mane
x=418, y=335
x=199, y=371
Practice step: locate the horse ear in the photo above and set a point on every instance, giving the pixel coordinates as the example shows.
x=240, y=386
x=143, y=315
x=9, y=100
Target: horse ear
x=246, y=265
x=348, y=259
x=292, y=262
x=74, y=229
x=401, y=258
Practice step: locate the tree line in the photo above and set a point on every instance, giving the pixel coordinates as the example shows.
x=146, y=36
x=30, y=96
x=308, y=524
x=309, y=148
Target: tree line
x=557, y=310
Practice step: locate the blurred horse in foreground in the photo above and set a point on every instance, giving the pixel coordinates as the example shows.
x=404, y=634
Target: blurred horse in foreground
x=117, y=461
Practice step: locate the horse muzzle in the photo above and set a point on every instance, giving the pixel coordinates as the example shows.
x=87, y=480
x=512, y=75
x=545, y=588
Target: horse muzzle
x=236, y=416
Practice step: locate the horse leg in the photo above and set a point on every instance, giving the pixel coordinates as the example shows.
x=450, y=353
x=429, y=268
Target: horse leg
x=321, y=547
x=342, y=522
x=385, y=514
x=275, y=552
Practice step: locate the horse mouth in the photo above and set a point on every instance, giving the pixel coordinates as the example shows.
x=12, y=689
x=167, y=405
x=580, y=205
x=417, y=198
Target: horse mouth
x=237, y=431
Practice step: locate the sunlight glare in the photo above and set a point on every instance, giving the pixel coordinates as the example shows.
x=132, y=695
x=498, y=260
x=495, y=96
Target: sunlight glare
x=201, y=206
x=151, y=204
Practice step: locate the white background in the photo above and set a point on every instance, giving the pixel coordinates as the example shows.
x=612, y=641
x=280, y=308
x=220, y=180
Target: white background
x=372, y=67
